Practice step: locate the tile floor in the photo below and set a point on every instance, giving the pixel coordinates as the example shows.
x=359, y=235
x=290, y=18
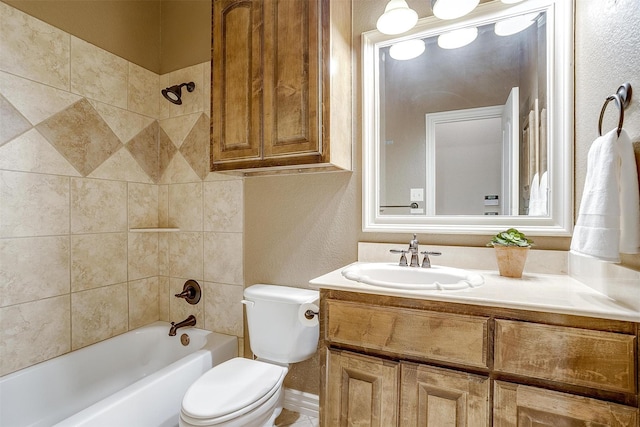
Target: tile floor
x=293, y=419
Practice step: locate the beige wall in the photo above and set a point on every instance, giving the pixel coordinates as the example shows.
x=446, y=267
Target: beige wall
x=159, y=35
x=88, y=150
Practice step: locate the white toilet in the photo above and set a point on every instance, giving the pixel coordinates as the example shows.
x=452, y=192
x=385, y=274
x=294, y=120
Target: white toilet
x=246, y=393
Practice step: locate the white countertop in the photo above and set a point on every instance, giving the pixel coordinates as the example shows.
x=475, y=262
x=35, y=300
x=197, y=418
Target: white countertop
x=536, y=292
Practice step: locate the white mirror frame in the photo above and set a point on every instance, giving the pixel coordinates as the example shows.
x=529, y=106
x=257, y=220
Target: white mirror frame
x=560, y=86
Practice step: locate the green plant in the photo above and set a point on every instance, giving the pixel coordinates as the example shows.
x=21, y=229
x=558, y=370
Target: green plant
x=511, y=237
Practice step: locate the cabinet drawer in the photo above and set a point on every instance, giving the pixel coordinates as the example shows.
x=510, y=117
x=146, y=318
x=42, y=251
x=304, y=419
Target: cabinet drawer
x=453, y=338
x=603, y=360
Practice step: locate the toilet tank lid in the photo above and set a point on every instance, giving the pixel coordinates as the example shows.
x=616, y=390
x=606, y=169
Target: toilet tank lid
x=284, y=294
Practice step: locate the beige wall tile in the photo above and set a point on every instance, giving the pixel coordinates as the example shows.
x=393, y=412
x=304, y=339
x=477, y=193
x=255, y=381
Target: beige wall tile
x=195, y=148
x=98, y=260
x=33, y=268
x=223, y=206
x=98, y=314
x=98, y=74
x=121, y=166
x=98, y=206
x=143, y=94
x=177, y=128
x=143, y=255
x=185, y=255
x=33, y=204
x=224, y=255
x=185, y=206
x=13, y=123
x=179, y=308
x=81, y=136
x=31, y=152
x=34, y=332
x=144, y=148
x=164, y=293
x=179, y=171
x=163, y=206
x=223, y=309
x=34, y=100
x=32, y=49
x=143, y=205
x=143, y=302
x=163, y=253
x=124, y=123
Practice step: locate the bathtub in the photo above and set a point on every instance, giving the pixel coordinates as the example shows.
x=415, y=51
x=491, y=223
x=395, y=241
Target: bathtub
x=135, y=379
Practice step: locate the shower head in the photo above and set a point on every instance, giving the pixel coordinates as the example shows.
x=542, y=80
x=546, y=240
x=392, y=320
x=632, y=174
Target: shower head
x=174, y=93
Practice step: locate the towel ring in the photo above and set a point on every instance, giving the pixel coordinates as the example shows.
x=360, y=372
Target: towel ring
x=622, y=98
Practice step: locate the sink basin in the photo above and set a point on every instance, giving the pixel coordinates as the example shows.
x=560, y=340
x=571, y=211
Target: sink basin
x=390, y=275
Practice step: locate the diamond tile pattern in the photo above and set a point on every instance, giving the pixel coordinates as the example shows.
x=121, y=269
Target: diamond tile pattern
x=13, y=123
x=144, y=148
x=195, y=147
x=81, y=135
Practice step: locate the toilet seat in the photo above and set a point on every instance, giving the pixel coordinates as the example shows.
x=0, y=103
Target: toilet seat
x=230, y=390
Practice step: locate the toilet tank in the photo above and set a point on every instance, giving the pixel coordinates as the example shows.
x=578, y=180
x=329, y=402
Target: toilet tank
x=278, y=332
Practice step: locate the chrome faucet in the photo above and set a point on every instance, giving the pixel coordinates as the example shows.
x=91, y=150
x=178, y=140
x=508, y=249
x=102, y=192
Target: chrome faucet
x=413, y=250
x=189, y=321
x=415, y=258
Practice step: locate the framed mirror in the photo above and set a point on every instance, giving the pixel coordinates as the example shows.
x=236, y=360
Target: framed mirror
x=473, y=138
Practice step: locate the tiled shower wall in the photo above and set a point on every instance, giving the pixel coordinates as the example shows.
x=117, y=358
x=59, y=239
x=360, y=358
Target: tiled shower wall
x=89, y=149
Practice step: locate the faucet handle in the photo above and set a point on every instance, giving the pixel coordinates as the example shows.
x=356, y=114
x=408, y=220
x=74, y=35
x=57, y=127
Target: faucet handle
x=191, y=292
x=426, y=262
x=403, y=257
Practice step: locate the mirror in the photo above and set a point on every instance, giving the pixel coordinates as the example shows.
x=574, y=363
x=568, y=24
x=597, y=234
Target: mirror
x=473, y=139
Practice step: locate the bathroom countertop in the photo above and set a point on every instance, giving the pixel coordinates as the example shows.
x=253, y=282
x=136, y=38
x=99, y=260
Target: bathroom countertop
x=536, y=292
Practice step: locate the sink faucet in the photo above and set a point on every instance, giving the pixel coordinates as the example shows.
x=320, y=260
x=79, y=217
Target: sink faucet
x=189, y=321
x=413, y=250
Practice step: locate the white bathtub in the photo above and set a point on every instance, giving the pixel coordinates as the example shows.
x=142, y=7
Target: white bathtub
x=135, y=379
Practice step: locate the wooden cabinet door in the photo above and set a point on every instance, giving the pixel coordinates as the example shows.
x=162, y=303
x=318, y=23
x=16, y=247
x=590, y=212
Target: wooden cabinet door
x=291, y=77
x=236, y=89
x=524, y=406
x=435, y=397
x=361, y=391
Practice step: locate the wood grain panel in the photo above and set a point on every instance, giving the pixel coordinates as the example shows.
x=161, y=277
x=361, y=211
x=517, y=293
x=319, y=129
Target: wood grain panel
x=523, y=406
x=291, y=73
x=361, y=391
x=435, y=397
x=409, y=332
x=582, y=357
x=236, y=116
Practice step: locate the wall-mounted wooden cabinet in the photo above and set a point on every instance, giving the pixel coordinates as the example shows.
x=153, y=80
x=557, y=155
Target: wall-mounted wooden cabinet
x=423, y=363
x=281, y=85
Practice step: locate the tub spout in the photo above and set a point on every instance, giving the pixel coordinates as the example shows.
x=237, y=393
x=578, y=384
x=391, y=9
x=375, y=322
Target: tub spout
x=189, y=321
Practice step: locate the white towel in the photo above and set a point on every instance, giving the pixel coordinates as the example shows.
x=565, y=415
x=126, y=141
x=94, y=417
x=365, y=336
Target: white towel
x=609, y=217
x=543, y=195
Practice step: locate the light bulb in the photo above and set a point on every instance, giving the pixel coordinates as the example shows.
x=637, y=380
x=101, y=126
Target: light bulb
x=452, y=9
x=397, y=18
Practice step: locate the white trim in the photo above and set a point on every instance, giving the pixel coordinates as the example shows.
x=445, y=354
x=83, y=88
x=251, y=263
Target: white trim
x=560, y=128
x=301, y=402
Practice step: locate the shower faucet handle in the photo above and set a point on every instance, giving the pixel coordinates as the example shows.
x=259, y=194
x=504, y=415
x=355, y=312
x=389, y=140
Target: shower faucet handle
x=191, y=292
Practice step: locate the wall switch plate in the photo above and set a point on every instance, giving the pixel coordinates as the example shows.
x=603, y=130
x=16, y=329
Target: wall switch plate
x=417, y=194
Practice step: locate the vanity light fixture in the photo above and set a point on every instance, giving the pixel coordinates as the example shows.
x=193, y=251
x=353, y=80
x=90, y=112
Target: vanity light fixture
x=457, y=38
x=174, y=93
x=397, y=18
x=514, y=25
x=406, y=50
x=452, y=9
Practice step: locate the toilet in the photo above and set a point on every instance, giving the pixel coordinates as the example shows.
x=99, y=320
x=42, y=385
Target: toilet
x=248, y=393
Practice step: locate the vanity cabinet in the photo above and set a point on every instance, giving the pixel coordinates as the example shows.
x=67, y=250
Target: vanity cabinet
x=281, y=85
x=457, y=364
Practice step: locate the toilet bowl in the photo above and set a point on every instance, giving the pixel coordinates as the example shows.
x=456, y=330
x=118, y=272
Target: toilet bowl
x=249, y=393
